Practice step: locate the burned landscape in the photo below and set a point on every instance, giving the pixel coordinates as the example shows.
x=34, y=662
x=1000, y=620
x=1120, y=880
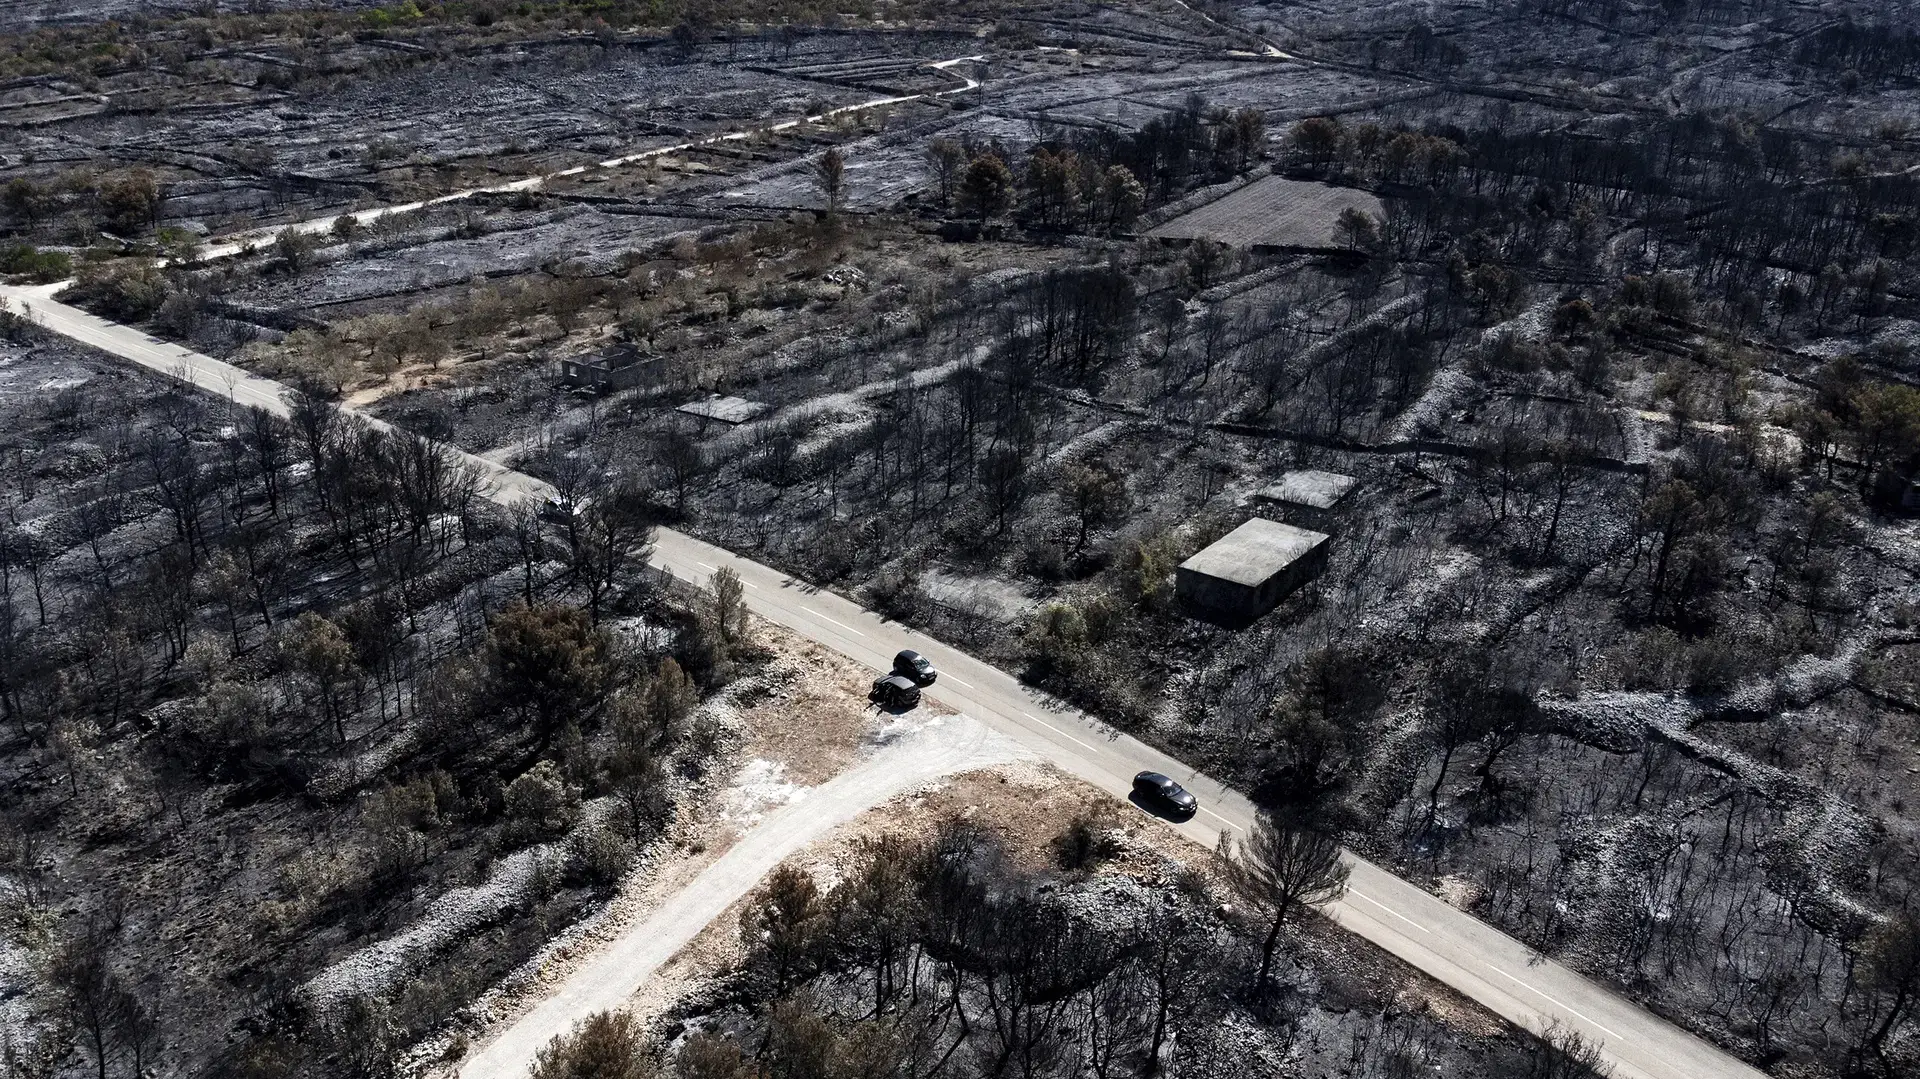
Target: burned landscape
x=1542, y=382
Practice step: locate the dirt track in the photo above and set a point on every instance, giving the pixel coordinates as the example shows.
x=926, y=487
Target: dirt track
x=904, y=757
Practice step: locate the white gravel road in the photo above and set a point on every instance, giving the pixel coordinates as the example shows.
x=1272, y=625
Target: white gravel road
x=907, y=756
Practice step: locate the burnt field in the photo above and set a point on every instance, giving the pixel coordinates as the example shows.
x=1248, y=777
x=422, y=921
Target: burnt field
x=236, y=840
x=1611, y=313
x=377, y=131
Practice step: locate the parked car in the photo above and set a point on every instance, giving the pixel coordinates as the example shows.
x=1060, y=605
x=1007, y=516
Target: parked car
x=559, y=510
x=912, y=664
x=1162, y=792
x=894, y=691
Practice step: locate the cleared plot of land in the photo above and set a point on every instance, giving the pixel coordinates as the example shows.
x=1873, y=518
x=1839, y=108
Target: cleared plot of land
x=1130, y=91
x=1271, y=212
x=451, y=248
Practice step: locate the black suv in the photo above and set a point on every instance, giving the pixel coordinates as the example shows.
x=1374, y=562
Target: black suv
x=915, y=666
x=894, y=691
x=1159, y=791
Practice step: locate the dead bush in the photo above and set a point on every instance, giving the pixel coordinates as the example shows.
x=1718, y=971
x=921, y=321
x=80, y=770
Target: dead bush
x=598, y=855
x=1085, y=844
x=896, y=592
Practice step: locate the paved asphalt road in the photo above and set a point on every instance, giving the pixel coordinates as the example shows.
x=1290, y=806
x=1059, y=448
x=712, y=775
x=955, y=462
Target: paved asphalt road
x=1453, y=947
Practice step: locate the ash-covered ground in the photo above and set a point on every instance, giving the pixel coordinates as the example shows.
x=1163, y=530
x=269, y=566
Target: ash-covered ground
x=1614, y=645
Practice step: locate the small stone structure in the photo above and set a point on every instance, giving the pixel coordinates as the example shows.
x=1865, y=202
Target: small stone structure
x=726, y=409
x=621, y=368
x=1247, y=572
x=1310, y=488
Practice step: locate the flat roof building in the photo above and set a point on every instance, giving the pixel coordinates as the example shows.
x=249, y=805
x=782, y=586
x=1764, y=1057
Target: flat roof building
x=734, y=410
x=1247, y=572
x=1310, y=488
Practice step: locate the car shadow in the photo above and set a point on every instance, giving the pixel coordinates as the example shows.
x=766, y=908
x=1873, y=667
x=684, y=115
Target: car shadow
x=1154, y=807
x=894, y=709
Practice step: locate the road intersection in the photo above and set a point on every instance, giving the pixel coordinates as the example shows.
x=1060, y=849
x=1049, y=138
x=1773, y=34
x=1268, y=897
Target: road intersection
x=1447, y=944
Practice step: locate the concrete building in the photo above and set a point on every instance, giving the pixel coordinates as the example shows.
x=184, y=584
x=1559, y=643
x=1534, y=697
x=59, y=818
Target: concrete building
x=1247, y=572
x=621, y=368
x=1310, y=488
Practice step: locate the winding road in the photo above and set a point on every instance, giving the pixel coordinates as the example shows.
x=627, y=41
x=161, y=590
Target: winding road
x=1474, y=959
x=1449, y=945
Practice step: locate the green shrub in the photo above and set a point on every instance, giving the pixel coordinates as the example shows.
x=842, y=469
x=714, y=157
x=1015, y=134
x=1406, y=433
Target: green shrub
x=606, y=1045
x=539, y=804
x=125, y=290
x=44, y=267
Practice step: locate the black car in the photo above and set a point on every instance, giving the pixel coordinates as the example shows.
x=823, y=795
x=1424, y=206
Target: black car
x=915, y=666
x=1162, y=792
x=894, y=691
x=559, y=510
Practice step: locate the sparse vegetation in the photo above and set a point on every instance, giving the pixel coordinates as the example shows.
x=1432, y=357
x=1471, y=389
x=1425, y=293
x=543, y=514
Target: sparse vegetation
x=1609, y=309
x=988, y=962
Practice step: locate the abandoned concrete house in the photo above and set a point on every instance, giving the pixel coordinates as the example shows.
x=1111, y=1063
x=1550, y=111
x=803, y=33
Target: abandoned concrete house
x=620, y=368
x=1247, y=572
